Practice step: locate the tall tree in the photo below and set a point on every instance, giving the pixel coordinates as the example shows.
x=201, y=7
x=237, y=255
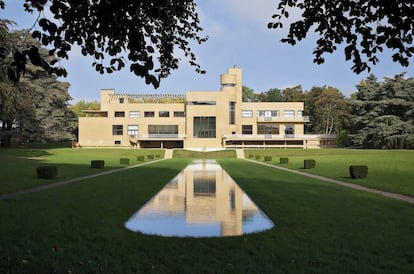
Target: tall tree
x=364, y=27
x=293, y=94
x=147, y=33
x=248, y=95
x=383, y=113
x=271, y=95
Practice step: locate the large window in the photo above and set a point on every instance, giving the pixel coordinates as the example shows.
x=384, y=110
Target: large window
x=267, y=113
x=134, y=114
x=247, y=129
x=232, y=113
x=132, y=130
x=267, y=129
x=158, y=130
x=289, y=129
x=204, y=127
x=117, y=129
x=119, y=113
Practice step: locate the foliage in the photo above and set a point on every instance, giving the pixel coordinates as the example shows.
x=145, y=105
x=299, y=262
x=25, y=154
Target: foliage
x=364, y=27
x=35, y=109
x=147, y=32
x=248, y=95
x=383, y=113
x=82, y=105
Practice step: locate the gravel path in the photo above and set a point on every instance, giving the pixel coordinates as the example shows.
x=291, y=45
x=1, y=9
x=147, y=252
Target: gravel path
x=396, y=196
x=12, y=195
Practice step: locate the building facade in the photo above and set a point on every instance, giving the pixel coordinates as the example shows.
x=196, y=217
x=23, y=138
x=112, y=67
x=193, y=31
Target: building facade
x=197, y=120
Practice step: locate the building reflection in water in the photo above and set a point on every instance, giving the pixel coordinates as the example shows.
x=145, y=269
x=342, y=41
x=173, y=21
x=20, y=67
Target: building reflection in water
x=201, y=201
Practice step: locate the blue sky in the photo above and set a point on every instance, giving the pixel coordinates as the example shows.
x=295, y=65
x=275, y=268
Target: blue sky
x=238, y=35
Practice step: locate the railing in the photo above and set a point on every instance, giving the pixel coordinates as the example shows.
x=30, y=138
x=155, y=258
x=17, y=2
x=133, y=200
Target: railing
x=280, y=137
x=161, y=136
x=304, y=119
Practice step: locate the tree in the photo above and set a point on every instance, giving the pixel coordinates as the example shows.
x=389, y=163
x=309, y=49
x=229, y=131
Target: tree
x=272, y=95
x=293, y=94
x=383, y=113
x=82, y=105
x=36, y=107
x=248, y=95
x=147, y=33
x=364, y=27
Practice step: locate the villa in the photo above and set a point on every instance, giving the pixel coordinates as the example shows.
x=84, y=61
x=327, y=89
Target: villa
x=201, y=120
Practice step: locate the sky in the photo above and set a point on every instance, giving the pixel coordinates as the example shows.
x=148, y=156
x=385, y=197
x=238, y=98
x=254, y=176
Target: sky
x=238, y=36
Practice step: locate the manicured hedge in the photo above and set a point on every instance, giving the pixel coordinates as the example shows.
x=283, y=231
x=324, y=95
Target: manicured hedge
x=150, y=157
x=124, y=161
x=157, y=156
x=268, y=158
x=251, y=156
x=284, y=160
x=309, y=163
x=46, y=172
x=97, y=164
x=258, y=157
x=141, y=158
x=358, y=172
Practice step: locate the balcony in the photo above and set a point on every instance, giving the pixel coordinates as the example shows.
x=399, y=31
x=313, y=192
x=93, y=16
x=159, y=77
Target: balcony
x=303, y=119
x=280, y=137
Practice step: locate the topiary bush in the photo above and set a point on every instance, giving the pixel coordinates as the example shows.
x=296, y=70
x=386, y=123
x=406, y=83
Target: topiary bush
x=124, y=161
x=358, y=172
x=258, y=157
x=157, y=156
x=150, y=157
x=284, y=160
x=251, y=156
x=141, y=158
x=309, y=163
x=97, y=164
x=46, y=172
x=268, y=158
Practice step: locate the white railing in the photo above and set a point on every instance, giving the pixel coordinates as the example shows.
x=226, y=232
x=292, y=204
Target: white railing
x=280, y=137
x=304, y=119
x=161, y=136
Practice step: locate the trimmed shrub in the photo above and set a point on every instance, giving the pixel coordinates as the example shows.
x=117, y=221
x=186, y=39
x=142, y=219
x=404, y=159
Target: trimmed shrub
x=157, y=156
x=46, y=172
x=150, y=157
x=268, y=158
x=251, y=156
x=309, y=163
x=258, y=157
x=97, y=164
x=141, y=158
x=358, y=172
x=124, y=161
x=284, y=160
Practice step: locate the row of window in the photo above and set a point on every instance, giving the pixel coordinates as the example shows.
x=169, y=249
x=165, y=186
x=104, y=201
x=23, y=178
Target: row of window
x=137, y=114
x=270, y=113
x=152, y=129
x=267, y=129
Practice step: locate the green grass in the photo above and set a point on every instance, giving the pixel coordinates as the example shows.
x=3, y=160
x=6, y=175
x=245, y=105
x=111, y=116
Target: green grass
x=181, y=153
x=319, y=228
x=18, y=166
x=389, y=170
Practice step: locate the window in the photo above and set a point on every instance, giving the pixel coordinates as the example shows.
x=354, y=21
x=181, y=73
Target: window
x=289, y=113
x=267, y=113
x=164, y=114
x=208, y=103
x=117, y=129
x=132, y=130
x=247, y=129
x=121, y=100
x=149, y=114
x=179, y=114
x=134, y=114
x=289, y=129
x=300, y=113
x=119, y=113
x=247, y=113
x=163, y=130
x=267, y=129
x=232, y=112
x=204, y=127
x=117, y=142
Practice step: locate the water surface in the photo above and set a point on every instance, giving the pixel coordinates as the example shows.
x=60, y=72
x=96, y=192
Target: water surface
x=201, y=201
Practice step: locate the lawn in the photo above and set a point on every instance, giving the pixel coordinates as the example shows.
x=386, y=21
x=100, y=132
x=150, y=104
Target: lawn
x=18, y=166
x=389, y=170
x=320, y=228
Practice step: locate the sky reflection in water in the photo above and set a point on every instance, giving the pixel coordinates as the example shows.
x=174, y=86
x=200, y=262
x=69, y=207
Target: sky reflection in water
x=201, y=201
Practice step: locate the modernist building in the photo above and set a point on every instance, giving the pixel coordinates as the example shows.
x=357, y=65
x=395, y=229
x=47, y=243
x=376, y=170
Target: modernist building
x=198, y=120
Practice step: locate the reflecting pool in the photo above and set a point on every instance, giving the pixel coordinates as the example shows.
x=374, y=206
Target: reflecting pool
x=201, y=201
